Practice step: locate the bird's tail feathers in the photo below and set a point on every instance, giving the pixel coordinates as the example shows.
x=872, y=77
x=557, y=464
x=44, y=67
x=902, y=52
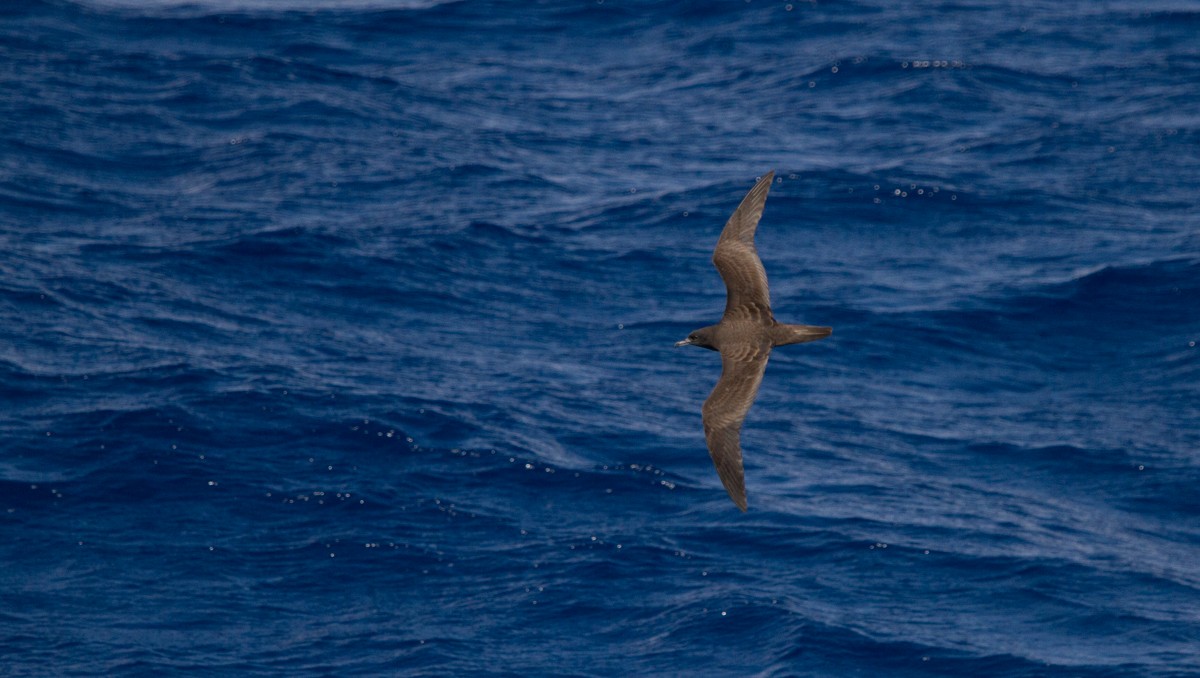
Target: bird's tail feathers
x=782, y=335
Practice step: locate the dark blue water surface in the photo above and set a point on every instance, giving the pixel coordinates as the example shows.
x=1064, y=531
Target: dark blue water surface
x=336, y=338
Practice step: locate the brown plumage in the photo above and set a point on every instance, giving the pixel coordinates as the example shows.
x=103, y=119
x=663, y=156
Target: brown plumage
x=745, y=336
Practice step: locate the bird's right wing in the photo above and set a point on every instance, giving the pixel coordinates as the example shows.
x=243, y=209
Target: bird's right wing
x=737, y=259
x=726, y=408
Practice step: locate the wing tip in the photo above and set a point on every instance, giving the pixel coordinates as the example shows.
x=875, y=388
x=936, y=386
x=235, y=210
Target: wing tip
x=736, y=487
x=763, y=184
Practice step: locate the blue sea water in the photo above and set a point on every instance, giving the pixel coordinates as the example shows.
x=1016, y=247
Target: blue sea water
x=336, y=338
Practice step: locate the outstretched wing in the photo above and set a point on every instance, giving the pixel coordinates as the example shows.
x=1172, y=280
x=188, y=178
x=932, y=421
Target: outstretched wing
x=736, y=258
x=726, y=408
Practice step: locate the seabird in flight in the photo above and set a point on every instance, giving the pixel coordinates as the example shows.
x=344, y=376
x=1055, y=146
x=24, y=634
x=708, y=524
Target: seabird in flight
x=745, y=336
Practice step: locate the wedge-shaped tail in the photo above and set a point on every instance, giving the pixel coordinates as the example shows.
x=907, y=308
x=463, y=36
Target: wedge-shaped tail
x=782, y=335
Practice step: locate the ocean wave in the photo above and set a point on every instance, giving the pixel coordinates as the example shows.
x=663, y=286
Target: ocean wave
x=345, y=330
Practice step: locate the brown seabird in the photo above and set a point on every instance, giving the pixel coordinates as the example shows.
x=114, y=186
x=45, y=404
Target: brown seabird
x=745, y=336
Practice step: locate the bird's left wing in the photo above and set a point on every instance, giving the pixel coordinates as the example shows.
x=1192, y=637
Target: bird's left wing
x=741, y=374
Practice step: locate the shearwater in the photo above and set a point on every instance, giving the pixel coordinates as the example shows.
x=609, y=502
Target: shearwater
x=745, y=336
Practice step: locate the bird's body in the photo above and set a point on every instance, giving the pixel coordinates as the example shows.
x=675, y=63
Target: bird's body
x=744, y=337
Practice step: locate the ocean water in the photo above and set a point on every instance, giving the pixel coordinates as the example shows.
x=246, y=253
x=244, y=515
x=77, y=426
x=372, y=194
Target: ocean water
x=336, y=338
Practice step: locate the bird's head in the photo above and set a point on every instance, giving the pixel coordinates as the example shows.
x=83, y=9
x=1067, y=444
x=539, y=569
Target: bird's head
x=705, y=337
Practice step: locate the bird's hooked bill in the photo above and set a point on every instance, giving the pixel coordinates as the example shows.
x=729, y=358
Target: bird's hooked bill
x=685, y=342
